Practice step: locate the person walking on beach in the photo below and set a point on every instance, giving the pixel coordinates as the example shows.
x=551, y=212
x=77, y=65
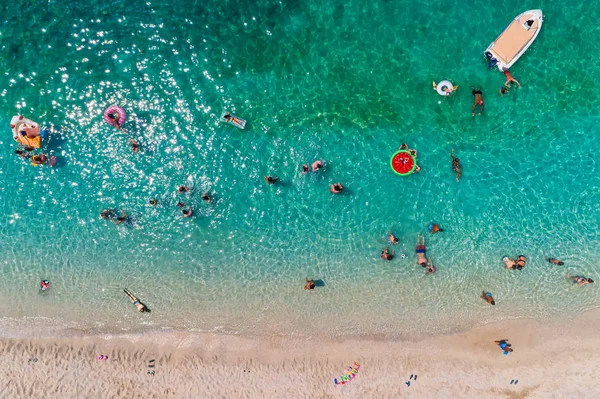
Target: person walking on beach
x=336, y=188
x=504, y=345
x=421, y=250
x=487, y=296
x=110, y=214
x=478, y=100
x=581, y=281
x=310, y=284
x=555, y=261
x=456, y=165
x=271, y=179
x=140, y=306
x=386, y=255
x=509, y=78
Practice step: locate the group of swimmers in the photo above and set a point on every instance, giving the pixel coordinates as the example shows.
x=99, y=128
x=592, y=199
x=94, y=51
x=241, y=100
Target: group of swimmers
x=478, y=95
x=335, y=188
x=420, y=249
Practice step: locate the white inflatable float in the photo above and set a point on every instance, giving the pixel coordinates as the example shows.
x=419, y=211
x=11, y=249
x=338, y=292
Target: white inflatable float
x=444, y=88
x=27, y=132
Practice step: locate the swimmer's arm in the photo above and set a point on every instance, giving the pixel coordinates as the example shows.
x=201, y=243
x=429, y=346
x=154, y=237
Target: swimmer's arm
x=517, y=82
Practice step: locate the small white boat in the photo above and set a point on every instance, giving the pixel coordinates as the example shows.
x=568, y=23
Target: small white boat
x=515, y=39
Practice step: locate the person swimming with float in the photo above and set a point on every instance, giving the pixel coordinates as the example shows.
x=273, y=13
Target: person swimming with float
x=114, y=120
x=421, y=250
x=229, y=118
x=487, y=296
x=478, y=100
x=140, y=306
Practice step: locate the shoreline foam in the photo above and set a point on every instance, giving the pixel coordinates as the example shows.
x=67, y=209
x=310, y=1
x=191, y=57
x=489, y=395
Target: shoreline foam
x=550, y=359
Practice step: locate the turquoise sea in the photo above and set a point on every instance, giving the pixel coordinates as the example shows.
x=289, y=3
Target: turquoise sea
x=341, y=81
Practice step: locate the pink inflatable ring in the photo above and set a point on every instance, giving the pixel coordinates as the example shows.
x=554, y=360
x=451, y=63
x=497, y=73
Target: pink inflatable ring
x=112, y=113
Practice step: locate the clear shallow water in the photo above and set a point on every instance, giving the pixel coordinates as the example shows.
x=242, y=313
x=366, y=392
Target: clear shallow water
x=343, y=82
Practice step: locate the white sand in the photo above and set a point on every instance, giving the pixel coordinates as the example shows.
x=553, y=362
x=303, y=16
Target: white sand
x=550, y=360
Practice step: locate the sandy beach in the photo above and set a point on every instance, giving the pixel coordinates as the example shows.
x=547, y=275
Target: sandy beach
x=550, y=360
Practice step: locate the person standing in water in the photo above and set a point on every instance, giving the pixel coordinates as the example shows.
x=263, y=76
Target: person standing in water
x=456, y=165
x=478, y=100
x=336, y=188
x=140, y=306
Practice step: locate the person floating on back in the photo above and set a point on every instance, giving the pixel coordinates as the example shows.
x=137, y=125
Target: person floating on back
x=140, y=306
x=336, y=188
x=478, y=100
x=271, y=179
x=487, y=296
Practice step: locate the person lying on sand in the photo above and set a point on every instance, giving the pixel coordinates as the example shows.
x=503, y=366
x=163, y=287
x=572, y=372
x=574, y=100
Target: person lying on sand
x=140, y=306
x=487, y=296
x=421, y=250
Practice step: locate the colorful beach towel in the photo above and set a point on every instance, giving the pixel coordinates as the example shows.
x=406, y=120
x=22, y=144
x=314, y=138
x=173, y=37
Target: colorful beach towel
x=348, y=375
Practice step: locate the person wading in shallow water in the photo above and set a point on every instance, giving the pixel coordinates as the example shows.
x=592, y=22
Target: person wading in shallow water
x=140, y=306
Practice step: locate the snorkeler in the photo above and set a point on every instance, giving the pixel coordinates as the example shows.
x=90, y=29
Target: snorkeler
x=392, y=238
x=186, y=211
x=140, y=306
x=386, y=255
x=114, y=120
x=183, y=189
x=581, y=281
x=509, y=78
x=478, y=100
x=456, y=165
x=555, y=261
x=271, y=179
x=310, y=284
x=487, y=296
x=134, y=146
x=317, y=165
x=421, y=250
x=336, y=188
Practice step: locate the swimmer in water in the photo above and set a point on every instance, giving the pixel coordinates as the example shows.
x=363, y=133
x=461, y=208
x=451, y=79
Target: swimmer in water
x=487, y=296
x=310, y=284
x=581, y=281
x=22, y=154
x=317, y=165
x=435, y=228
x=134, y=146
x=206, y=197
x=271, y=179
x=183, y=189
x=44, y=285
x=153, y=202
x=509, y=78
x=478, y=100
x=403, y=146
x=421, y=250
x=503, y=90
x=430, y=267
x=186, y=211
x=305, y=169
x=386, y=255
x=232, y=119
x=114, y=119
x=120, y=219
x=39, y=159
x=140, y=306
x=456, y=166
x=336, y=188
x=392, y=238
x=107, y=214
x=555, y=261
